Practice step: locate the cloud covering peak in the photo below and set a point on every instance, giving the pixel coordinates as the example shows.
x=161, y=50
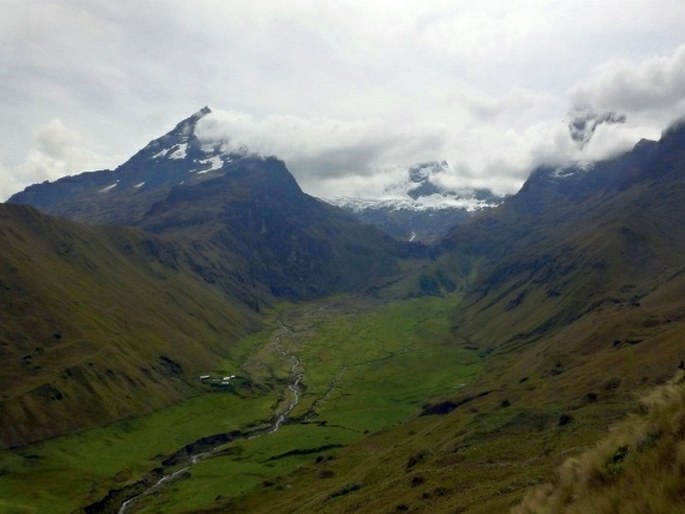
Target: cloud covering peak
x=349, y=93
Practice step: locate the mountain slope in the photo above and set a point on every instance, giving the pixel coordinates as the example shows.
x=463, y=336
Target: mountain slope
x=296, y=245
x=98, y=324
x=577, y=238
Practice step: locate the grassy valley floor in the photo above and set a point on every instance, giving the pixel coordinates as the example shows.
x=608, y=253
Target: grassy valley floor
x=365, y=366
x=389, y=409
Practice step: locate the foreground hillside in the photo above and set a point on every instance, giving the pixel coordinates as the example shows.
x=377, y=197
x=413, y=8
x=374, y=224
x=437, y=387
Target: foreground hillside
x=638, y=467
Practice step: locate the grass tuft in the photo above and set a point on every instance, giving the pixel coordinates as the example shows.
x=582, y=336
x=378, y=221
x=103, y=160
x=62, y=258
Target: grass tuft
x=639, y=467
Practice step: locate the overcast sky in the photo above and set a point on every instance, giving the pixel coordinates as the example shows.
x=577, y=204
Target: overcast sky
x=348, y=93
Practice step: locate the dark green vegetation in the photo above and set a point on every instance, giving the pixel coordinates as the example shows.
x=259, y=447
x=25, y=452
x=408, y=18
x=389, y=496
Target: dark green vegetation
x=447, y=379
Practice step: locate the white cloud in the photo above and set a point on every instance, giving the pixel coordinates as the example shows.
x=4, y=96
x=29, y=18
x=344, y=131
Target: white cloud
x=317, y=149
x=57, y=152
x=644, y=96
x=339, y=90
x=8, y=184
x=654, y=84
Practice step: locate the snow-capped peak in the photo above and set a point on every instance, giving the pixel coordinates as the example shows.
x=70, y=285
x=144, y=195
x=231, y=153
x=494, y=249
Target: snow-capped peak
x=466, y=202
x=420, y=207
x=423, y=190
x=182, y=144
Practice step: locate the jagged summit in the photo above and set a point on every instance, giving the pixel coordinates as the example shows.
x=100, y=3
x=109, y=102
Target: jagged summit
x=183, y=133
x=124, y=194
x=180, y=144
x=420, y=179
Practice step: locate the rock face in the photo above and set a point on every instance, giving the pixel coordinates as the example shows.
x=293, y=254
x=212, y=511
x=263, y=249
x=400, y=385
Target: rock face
x=295, y=245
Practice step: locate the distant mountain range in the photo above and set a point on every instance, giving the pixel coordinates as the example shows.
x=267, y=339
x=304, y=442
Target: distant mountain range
x=422, y=208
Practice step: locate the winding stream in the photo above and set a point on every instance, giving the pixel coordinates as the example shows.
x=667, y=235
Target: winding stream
x=205, y=447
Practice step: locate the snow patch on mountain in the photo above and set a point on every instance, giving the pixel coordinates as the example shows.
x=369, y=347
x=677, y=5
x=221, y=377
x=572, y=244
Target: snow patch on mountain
x=422, y=206
x=215, y=163
x=426, y=187
x=180, y=152
x=425, y=203
x=109, y=188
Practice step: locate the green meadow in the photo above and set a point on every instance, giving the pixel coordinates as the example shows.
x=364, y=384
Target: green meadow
x=366, y=367
x=68, y=472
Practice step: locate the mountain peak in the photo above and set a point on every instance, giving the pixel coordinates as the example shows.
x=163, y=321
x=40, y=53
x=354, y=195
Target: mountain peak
x=182, y=133
x=422, y=174
x=205, y=110
x=176, y=158
x=187, y=126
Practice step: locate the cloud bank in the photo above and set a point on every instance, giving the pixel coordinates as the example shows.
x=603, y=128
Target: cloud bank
x=55, y=152
x=348, y=93
x=648, y=87
x=320, y=150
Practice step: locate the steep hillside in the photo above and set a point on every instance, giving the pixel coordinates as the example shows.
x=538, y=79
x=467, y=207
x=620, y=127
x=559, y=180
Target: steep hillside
x=637, y=468
x=294, y=244
x=98, y=324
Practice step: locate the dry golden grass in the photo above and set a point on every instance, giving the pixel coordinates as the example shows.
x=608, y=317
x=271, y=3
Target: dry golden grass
x=638, y=468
